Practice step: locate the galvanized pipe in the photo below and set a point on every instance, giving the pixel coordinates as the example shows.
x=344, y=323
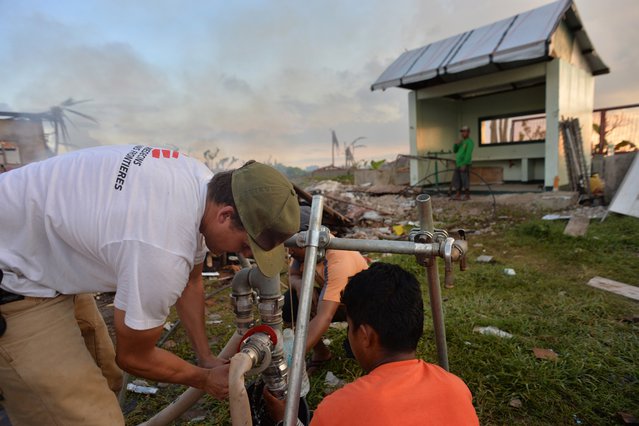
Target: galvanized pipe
x=374, y=246
x=425, y=209
x=303, y=312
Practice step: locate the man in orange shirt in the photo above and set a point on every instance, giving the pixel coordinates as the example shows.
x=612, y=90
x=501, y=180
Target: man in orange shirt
x=331, y=275
x=385, y=315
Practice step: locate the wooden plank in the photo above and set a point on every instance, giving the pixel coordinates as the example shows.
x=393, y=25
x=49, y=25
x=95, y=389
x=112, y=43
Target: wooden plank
x=577, y=226
x=616, y=287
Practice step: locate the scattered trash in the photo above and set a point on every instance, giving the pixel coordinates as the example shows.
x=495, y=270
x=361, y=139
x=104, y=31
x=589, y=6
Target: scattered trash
x=168, y=325
x=578, y=421
x=548, y=354
x=332, y=382
x=628, y=419
x=214, y=322
x=197, y=419
x=327, y=342
x=467, y=343
x=510, y=271
x=515, y=403
x=484, y=259
x=555, y=216
x=372, y=216
x=630, y=319
x=210, y=274
x=140, y=382
x=146, y=390
x=492, y=331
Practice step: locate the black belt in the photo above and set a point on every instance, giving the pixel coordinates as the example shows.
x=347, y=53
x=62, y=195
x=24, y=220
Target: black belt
x=7, y=296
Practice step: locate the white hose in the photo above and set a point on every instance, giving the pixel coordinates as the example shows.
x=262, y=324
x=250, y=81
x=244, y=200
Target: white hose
x=238, y=398
x=191, y=395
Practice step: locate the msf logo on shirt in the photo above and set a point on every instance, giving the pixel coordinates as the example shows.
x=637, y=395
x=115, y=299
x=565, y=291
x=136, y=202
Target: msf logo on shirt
x=164, y=153
x=135, y=157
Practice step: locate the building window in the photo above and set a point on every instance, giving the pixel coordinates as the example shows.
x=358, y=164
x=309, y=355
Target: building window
x=507, y=129
x=615, y=128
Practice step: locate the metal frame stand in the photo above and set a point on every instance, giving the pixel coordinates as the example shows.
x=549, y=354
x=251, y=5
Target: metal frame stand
x=426, y=244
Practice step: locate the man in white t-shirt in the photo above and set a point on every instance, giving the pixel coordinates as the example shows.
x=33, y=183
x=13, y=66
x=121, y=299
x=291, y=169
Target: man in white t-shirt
x=131, y=220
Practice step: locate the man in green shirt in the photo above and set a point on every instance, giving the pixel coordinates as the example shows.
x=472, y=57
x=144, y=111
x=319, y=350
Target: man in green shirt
x=463, y=158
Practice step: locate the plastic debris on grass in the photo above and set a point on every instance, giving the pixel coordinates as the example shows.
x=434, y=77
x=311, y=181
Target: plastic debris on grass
x=332, y=382
x=515, y=403
x=510, y=271
x=146, y=390
x=492, y=331
x=548, y=354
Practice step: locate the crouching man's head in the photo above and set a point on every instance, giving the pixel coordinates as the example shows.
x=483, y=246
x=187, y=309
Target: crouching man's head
x=385, y=314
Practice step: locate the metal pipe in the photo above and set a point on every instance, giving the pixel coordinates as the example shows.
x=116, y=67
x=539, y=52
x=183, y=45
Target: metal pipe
x=376, y=246
x=270, y=306
x=242, y=300
x=425, y=209
x=303, y=312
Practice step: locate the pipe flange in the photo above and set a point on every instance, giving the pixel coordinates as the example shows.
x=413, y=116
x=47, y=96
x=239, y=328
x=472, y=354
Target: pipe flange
x=259, y=329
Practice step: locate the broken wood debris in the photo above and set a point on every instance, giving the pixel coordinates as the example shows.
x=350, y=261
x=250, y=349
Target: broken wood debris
x=616, y=287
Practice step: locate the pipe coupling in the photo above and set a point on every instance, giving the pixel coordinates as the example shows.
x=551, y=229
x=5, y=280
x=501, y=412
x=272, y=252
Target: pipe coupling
x=243, y=309
x=276, y=375
x=271, y=310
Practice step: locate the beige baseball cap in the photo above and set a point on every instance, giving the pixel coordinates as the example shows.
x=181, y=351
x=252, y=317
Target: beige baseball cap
x=268, y=208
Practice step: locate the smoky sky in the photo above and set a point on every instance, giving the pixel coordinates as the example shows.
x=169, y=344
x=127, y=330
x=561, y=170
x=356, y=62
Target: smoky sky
x=261, y=80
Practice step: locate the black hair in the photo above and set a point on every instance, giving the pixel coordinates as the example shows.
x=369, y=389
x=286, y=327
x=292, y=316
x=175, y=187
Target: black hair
x=389, y=299
x=220, y=192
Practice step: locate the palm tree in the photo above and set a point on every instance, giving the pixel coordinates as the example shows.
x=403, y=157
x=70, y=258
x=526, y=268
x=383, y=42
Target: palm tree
x=57, y=116
x=349, y=151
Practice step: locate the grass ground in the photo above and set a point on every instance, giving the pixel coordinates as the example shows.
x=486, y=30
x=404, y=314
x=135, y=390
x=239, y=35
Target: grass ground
x=545, y=305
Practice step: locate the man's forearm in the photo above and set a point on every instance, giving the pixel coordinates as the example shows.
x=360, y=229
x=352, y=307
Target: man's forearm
x=190, y=308
x=163, y=366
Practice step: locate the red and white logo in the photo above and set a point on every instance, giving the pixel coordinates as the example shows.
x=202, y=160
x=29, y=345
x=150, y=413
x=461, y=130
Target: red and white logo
x=164, y=153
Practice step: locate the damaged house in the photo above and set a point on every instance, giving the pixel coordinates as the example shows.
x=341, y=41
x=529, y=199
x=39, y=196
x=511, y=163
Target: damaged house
x=22, y=140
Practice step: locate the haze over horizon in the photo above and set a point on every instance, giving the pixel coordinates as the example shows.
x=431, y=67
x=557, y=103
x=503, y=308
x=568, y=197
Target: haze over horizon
x=258, y=80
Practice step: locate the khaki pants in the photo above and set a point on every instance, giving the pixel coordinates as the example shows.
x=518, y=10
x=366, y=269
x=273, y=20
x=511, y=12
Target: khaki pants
x=47, y=375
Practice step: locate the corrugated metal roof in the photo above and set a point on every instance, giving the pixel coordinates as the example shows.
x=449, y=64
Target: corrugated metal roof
x=516, y=41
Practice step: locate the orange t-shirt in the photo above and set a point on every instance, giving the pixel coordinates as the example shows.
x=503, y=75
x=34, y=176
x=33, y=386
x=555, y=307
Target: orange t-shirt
x=338, y=266
x=403, y=393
